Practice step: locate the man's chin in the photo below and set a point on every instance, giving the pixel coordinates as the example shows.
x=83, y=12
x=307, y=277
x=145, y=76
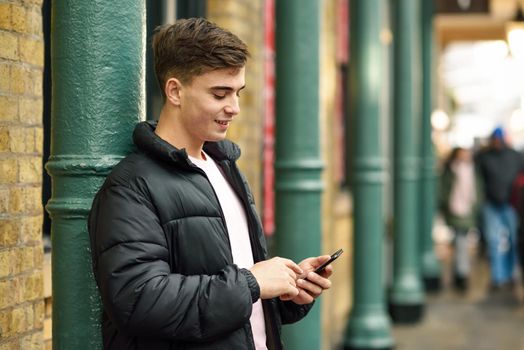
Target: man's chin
x=216, y=138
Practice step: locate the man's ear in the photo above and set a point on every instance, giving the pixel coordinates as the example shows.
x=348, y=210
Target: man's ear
x=172, y=90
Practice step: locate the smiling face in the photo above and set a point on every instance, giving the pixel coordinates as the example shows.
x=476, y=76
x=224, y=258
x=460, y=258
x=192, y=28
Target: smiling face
x=205, y=107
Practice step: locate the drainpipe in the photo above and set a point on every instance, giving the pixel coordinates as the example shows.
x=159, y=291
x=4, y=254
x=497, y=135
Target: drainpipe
x=430, y=264
x=406, y=295
x=97, y=98
x=298, y=184
x=369, y=325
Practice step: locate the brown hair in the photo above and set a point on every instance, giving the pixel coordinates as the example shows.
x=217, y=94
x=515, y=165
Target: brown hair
x=194, y=46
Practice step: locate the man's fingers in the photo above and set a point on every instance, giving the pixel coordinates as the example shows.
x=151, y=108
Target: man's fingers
x=324, y=283
x=293, y=266
x=291, y=292
x=311, y=288
x=305, y=296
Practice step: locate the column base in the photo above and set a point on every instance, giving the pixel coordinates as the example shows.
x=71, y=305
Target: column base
x=432, y=284
x=406, y=314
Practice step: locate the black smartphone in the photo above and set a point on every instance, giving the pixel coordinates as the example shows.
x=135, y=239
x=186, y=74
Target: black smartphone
x=333, y=257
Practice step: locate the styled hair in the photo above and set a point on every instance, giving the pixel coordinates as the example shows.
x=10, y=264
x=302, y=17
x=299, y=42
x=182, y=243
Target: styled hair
x=194, y=46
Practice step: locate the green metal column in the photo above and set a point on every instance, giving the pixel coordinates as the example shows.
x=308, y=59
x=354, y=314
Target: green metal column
x=369, y=325
x=298, y=165
x=97, y=98
x=406, y=295
x=430, y=264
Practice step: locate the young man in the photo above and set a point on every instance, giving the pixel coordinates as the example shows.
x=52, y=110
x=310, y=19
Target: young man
x=178, y=250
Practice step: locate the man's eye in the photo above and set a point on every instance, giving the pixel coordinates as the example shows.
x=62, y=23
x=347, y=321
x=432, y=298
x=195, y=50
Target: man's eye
x=219, y=97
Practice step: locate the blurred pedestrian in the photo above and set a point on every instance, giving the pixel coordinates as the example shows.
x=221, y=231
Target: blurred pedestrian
x=459, y=198
x=498, y=166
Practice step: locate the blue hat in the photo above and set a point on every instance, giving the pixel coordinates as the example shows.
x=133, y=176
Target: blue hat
x=498, y=134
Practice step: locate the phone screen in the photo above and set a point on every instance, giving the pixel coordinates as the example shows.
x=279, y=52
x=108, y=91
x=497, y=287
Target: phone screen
x=333, y=257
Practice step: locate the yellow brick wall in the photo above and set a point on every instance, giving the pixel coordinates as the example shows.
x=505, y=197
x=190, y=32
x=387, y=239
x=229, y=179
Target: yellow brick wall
x=21, y=251
x=245, y=19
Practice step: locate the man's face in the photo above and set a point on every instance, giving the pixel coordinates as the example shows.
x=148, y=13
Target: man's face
x=210, y=102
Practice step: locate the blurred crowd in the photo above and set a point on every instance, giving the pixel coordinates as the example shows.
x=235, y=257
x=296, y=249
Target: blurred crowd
x=482, y=191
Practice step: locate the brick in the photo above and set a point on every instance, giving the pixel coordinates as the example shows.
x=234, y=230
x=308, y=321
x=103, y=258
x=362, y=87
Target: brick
x=5, y=323
x=38, y=314
x=34, y=21
x=32, y=341
x=8, y=46
x=18, y=18
x=11, y=344
x=32, y=51
x=21, y=139
x=4, y=139
x=33, y=286
x=19, y=321
x=8, y=171
x=31, y=230
x=26, y=199
x=26, y=259
x=21, y=80
x=5, y=263
x=37, y=79
x=30, y=317
x=39, y=141
x=4, y=75
x=38, y=254
x=5, y=16
x=6, y=293
x=8, y=109
x=4, y=201
x=30, y=170
x=9, y=232
x=31, y=110
x=16, y=196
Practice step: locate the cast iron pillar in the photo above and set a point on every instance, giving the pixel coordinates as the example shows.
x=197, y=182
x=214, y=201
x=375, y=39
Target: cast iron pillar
x=298, y=184
x=97, y=98
x=430, y=264
x=369, y=324
x=406, y=295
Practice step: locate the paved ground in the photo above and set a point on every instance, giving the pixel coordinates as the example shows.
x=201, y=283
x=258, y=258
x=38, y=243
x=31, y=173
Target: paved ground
x=480, y=319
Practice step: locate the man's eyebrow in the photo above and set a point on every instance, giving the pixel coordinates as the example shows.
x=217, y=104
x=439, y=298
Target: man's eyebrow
x=227, y=88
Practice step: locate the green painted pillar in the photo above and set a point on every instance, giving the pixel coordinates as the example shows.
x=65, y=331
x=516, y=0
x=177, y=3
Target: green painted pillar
x=430, y=264
x=97, y=98
x=298, y=165
x=369, y=324
x=406, y=295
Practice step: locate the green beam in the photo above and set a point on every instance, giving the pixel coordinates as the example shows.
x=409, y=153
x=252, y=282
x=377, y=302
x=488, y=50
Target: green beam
x=298, y=165
x=369, y=325
x=406, y=295
x=97, y=98
x=430, y=264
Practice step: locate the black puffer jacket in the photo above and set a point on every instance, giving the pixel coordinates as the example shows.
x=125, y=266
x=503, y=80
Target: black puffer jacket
x=162, y=258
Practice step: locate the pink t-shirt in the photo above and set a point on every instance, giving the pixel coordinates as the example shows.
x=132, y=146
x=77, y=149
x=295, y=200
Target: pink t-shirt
x=236, y=223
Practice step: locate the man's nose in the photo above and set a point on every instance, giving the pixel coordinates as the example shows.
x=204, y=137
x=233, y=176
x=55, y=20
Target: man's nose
x=234, y=106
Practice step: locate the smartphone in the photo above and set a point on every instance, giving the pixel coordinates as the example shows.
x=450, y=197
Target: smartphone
x=333, y=257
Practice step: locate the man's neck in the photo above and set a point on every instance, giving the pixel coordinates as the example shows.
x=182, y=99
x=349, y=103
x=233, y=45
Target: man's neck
x=173, y=133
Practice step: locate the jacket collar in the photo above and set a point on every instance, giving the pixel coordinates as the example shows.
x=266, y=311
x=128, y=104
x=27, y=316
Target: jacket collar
x=146, y=140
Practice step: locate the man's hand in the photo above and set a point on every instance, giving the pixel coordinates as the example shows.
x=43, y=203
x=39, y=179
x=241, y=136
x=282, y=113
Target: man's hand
x=311, y=285
x=277, y=278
